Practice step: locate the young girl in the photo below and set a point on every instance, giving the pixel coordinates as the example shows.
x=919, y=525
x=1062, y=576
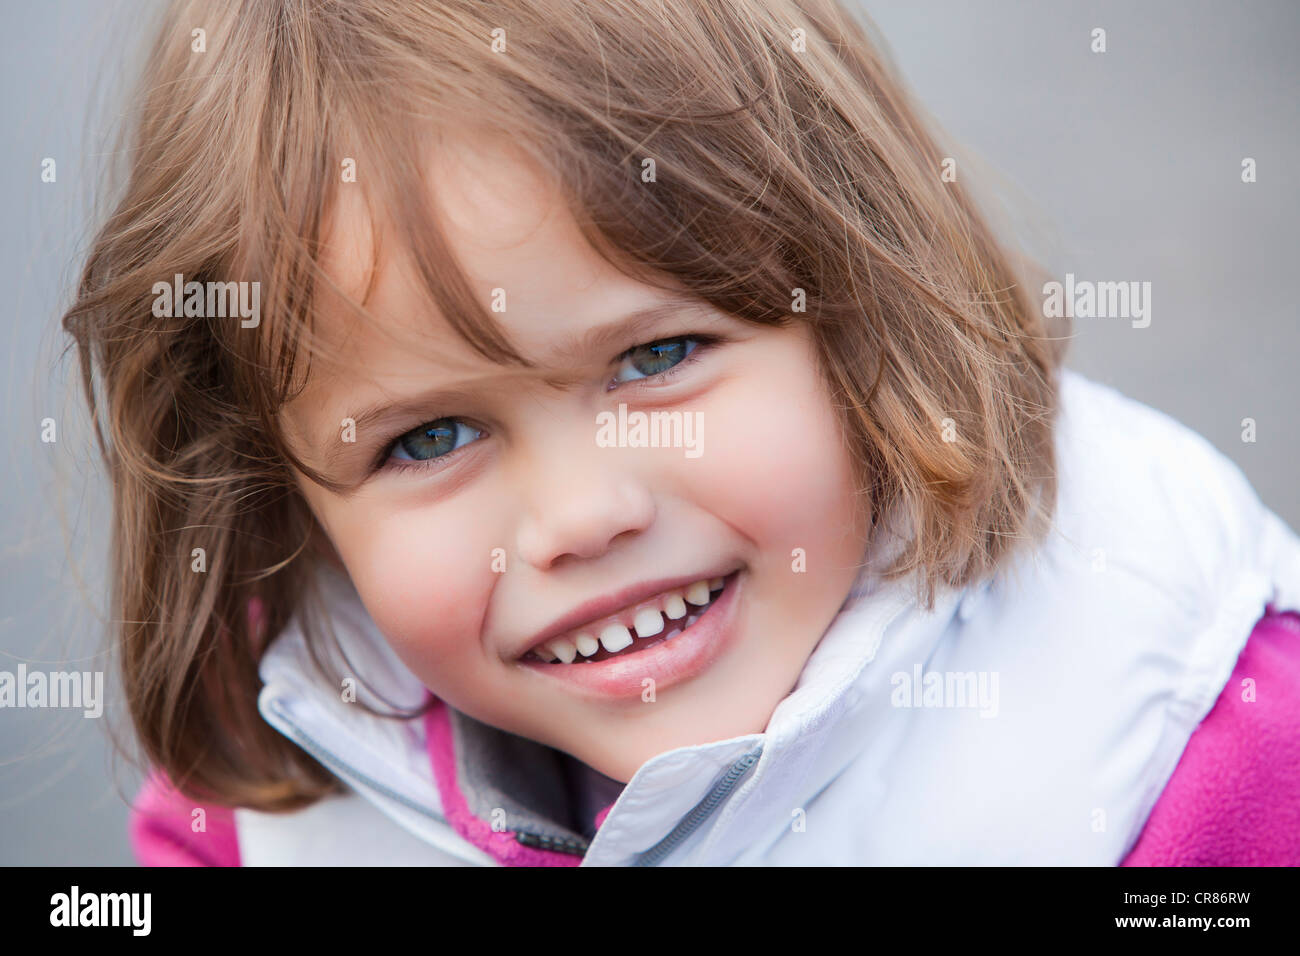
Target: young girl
x=589, y=433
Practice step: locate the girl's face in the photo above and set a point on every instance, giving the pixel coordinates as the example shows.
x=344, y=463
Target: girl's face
x=492, y=507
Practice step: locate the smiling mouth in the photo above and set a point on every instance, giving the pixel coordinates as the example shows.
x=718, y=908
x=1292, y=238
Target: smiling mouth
x=651, y=622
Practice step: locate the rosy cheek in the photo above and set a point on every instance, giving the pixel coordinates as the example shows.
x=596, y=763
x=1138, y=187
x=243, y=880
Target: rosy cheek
x=774, y=464
x=416, y=574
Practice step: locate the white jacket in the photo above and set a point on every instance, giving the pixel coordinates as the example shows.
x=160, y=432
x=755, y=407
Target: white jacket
x=1099, y=654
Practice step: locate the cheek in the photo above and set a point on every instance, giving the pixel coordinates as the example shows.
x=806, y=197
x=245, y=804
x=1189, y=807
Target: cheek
x=775, y=465
x=424, y=576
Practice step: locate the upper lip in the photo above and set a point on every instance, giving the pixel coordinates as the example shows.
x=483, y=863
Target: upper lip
x=603, y=606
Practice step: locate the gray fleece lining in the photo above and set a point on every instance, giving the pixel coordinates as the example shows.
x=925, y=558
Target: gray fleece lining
x=528, y=780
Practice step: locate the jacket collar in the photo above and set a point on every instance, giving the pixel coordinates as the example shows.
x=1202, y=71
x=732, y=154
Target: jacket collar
x=802, y=749
x=449, y=769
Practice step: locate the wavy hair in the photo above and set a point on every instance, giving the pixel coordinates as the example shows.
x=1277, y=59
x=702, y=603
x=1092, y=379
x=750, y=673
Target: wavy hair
x=789, y=162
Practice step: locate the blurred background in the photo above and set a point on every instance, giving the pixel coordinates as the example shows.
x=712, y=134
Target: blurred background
x=1116, y=166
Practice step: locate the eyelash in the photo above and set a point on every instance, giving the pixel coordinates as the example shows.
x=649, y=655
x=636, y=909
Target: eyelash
x=386, y=462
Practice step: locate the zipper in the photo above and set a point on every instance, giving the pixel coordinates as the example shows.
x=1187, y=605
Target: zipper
x=574, y=847
x=702, y=811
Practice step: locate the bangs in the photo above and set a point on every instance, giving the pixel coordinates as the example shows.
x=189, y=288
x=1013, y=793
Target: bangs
x=328, y=155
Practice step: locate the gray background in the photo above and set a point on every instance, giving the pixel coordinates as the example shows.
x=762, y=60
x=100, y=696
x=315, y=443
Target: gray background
x=1115, y=166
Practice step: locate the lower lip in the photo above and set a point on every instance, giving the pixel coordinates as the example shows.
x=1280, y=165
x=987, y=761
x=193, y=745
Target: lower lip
x=669, y=662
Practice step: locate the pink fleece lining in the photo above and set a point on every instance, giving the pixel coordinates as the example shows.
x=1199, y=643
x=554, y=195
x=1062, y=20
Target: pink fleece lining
x=501, y=846
x=160, y=827
x=1234, y=798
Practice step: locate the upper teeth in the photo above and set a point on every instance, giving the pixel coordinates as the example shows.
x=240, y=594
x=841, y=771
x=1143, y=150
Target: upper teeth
x=647, y=621
x=615, y=638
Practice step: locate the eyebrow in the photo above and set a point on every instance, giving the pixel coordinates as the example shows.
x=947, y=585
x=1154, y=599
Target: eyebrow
x=602, y=338
x=605, y=337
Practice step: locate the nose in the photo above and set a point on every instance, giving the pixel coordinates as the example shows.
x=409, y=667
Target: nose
x=578, y=508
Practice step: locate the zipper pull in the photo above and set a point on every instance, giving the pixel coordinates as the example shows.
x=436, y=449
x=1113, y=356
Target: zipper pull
x=544, y=842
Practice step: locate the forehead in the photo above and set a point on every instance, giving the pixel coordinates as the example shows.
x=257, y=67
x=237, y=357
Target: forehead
x=514, y=240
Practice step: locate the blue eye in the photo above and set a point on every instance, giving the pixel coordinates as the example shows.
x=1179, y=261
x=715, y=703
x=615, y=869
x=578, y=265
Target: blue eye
x=440, y=437
x=433, y=440
x=655, y=358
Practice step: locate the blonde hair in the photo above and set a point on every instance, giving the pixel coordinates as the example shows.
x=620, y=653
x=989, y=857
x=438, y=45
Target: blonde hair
x=777, y=169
